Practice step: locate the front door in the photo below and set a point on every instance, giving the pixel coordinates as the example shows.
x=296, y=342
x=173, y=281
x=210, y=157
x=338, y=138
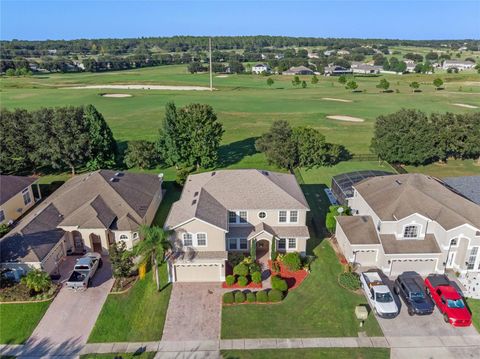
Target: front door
x=96, y=243
x=262, y=248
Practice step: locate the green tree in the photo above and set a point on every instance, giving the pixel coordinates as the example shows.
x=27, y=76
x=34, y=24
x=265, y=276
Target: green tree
x=121, y=260
x=195, y=67
x=351, y=85
x=414, y=86
x=296, y=81
x=438, y=82
x=154, y=244
x=304, y=84
x=10, y=72
x=270, y=81
x=37, y=281
x=278, y=145
x=314, y=79
x=383, y=84
x=310, y=145
x=342, y=79
x=102, y=145
x=143, y=154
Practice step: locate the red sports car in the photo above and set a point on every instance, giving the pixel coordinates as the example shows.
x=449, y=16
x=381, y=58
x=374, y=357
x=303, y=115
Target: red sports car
x=448, y=300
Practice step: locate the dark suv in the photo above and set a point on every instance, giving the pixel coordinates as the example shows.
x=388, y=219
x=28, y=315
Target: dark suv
x=409, y=287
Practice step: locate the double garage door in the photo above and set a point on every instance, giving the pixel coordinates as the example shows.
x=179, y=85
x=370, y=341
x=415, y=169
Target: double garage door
x=198, y=272
x=421, y=266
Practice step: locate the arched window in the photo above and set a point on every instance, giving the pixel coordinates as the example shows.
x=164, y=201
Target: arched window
x=123, y=237
x=135, y=235
x=453, y=242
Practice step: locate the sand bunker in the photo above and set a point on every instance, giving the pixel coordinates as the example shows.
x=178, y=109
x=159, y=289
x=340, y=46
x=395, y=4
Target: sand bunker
x=346, y=118
x=221, y=76
x=116, y=95
x=464, y=105
x=335, y=99
x=141, y=87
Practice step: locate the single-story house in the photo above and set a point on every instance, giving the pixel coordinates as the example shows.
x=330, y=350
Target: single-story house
x=458, y=64
x=87, y=213
x=362, y=68
x=298, y=70
x=16, y=197
x=336, y=71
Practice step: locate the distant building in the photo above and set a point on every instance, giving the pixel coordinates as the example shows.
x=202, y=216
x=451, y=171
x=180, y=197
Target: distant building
x=459, y=64
x=260, y=68
x=313, y=55
x=298, y=70
x=410, y=65
x=343, y=52
x=279, y=56
x=336, y=71
x=362, y=68
x=329, y=52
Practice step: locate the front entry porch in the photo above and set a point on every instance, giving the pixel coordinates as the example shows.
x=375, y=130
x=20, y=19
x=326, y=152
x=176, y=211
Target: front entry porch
x=262, y=253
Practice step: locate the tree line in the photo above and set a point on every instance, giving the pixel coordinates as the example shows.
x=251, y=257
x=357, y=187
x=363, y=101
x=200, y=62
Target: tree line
x=414, y=138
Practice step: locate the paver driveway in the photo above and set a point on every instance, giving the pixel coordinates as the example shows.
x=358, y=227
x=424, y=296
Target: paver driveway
x=72, y=315
x=194, y=312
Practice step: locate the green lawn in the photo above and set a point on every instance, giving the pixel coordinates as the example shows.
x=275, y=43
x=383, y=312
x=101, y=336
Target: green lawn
x=144, y=355
x=318, y=308
x=452, y=168
x=17, y=321
x=330, y=353
x=474, y=305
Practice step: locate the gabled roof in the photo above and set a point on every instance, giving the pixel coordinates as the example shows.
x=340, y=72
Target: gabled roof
x=209, y=196
x=468, y=186
x=358, y=229
x=11, y=185
x=399, y=196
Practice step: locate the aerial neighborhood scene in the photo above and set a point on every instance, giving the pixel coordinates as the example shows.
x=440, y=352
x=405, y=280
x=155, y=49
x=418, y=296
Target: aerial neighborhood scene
x=248, y=180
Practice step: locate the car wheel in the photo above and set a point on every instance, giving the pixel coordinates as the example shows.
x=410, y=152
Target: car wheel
x=396, y=291
x=411, y=312
x=445, y=318
x=427, y=290
x=89, y=282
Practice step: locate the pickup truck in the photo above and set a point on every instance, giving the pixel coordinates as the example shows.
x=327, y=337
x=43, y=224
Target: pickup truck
x=409, y=286
x=84, y=271
x=379, y=295
x=449, y=302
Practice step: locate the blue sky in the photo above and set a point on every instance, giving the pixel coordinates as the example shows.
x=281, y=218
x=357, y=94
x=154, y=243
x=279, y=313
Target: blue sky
x=71, y=19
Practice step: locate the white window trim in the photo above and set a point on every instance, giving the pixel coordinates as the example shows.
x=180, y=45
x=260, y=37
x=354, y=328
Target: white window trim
x=288, y=243
x=288, y=216
x=237, y=241
x=206, y=239
x=278, y=244
x=237, y=213
x=266, y=215
x=3, y=215
x=24, y=192
x=183, y=239
x=419, y=231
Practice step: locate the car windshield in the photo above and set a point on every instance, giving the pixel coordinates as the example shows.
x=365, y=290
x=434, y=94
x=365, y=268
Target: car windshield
x=455, y=303
x=416, y=295
x=384, y=298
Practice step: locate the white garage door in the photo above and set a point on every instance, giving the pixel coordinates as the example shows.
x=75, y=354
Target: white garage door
x=198, y=273
x=366, y=258
x=423, y=267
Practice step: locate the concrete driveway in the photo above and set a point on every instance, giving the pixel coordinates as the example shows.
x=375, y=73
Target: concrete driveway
x=72, y=315
x=194, y=312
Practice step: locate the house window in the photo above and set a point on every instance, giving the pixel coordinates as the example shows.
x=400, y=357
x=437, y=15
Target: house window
x=187, y=239
x=282, y=216
x=232, y=244
x=453, y=242
x=293, y=216
x=243, y=243
x=26, y=196
x=232, y=217
x=2, y=216
x=123, y=237
x=201, y=239
x=292, y=243
x=242, y=216
x=262, y=215
x=472, y=258
x=410, y=232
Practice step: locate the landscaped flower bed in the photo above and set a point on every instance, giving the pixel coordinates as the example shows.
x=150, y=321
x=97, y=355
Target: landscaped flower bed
x=246, y=273
x=293, y=278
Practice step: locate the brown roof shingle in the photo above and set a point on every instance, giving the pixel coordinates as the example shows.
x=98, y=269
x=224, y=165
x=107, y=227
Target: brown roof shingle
x=358, y=229
x=11, y=185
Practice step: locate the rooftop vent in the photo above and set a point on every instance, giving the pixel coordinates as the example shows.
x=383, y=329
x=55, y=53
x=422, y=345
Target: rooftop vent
x=113, y=179
x=195, y=194
x=118, y=174
x=364, y=219
x=160, y=175
x=194, y=202
x=265, y=173
x=398, y=182
x=214, y=173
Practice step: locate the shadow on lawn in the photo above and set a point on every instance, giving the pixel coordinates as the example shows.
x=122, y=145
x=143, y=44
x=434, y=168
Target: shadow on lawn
x=44, y=347
x=234, y=152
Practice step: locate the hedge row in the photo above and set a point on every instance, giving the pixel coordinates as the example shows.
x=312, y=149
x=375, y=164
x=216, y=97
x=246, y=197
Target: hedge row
x=262, y=296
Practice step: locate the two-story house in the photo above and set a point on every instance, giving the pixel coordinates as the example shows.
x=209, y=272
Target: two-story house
x=16, y=197
x=410, y=222
x=231, y=211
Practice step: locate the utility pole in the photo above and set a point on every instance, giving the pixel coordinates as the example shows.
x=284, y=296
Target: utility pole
x=210, y=59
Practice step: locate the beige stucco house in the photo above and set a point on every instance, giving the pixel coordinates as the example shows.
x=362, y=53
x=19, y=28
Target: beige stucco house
x=16, y=197
x=231, y=211
x=88, y=213
x=410, y=222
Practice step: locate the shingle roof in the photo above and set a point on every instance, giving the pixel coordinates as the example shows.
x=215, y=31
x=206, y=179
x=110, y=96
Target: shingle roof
x=278, y=231
x=11, y=185
x=209, y=196
x=358, y=229
x=399, y=196
x=87, y=201
x=468, y=186
x=392, y=245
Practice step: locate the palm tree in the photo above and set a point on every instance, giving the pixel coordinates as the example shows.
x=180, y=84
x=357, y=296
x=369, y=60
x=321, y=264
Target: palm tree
x=154, y=244
x=37, y=281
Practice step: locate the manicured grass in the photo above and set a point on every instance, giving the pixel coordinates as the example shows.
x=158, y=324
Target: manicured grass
x=474, y=305
x=318, y=308
x=17, y=321
x=452, y=168
x=138, y=315
x=144, y=355
x=317, y=353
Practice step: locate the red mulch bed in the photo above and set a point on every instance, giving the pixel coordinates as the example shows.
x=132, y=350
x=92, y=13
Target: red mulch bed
x=294, y=279
x=229, y=271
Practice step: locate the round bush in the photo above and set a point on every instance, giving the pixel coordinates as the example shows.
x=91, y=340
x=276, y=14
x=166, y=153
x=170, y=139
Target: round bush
x=292, y=261
x=256, y=277
x=241, y=269
x=349, y=280
x=254, y=267
x=251, y=297
x=275, y=295
x=279, y=284
x=242, y=281
x=230, y=280
x=262, y=296
x=239, y=297
x=228, y=297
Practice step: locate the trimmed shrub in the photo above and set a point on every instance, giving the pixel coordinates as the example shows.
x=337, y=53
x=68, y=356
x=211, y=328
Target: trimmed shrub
x=349, y=280
x=234, y=258
x=251, y=297
x=279, y=283
x=241, y=269
x=275, y=295
x=262, y=296
x=228, y=298
x=256, y=277
x=242, y=281
x=330, y=222
x=254, y=267
x=230, y=280
x=292, y=261
x=239, y=297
